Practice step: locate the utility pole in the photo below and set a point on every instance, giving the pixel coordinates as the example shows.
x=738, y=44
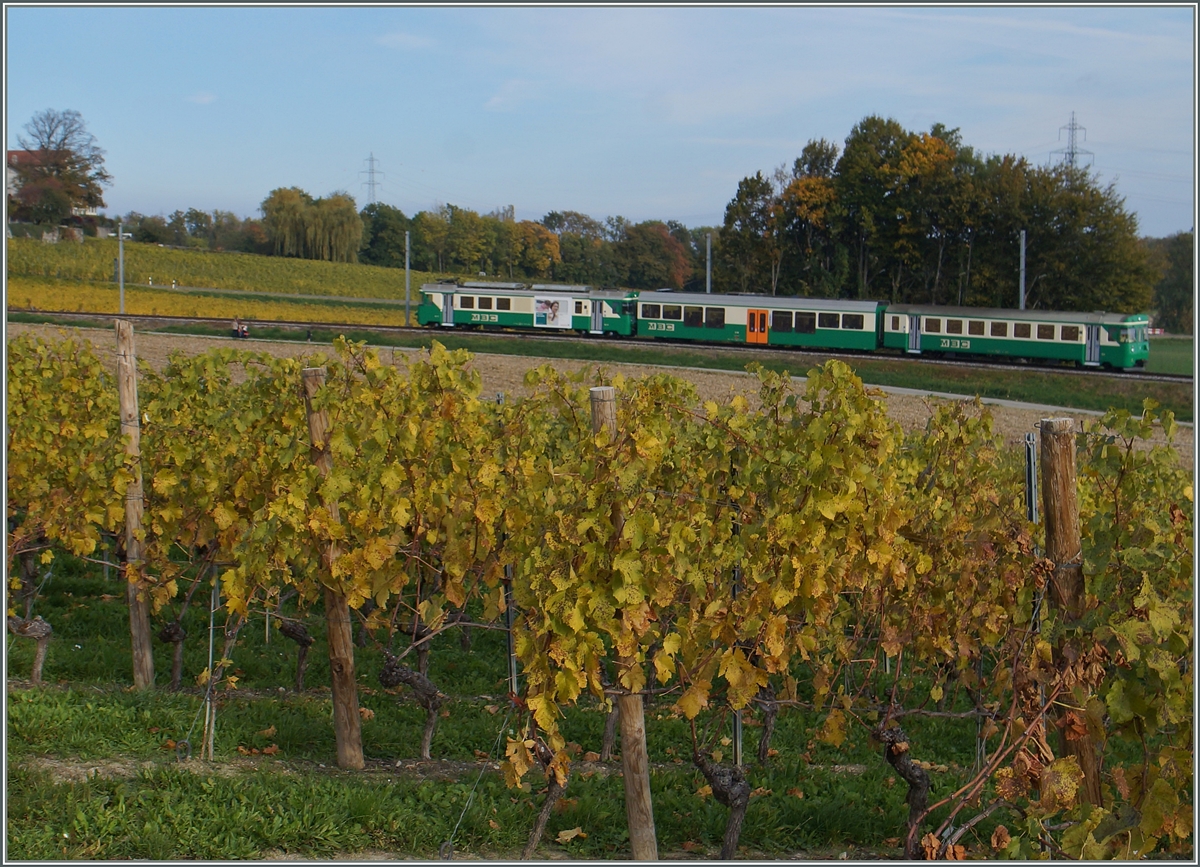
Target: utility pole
x=407, y=277
x=370, y=182
x=708, y=267
x=1022, y=307
x=121, y=263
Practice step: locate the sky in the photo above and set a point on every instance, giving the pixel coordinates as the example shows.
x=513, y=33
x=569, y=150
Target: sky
x=643, y=112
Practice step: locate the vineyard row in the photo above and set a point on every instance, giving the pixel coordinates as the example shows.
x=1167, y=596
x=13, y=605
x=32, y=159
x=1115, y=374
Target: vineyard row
x=633, y=538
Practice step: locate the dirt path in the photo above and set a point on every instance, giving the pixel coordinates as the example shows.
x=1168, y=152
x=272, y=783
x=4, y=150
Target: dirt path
x=505, y=373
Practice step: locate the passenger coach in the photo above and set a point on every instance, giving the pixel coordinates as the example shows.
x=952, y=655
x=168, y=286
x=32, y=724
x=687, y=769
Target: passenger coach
x=1088, y=339
x=760, y=319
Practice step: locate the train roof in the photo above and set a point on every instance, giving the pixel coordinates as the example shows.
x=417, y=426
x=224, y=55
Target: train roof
x=773, y=302
x=1092, y=318
x=476, y=287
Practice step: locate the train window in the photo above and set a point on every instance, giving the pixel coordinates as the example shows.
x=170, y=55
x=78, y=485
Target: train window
x=485, y=303
x=1045, y=332
x=781, y=320
x=504, y=304
x=806, y=323
x=672, y=311
x=852, y=321
x=714, y=317
x=651, y=311
x=1020, y=329
x=1070, y=333
x=693, y=317
x=999, y=329
x=974, y=327
x=829, y=320
x=895, y=323
x=466, y=302
x=933, y=326
x=954, y=326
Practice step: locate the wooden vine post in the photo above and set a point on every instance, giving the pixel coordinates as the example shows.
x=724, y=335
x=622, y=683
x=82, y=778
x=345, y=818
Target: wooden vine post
x=1064, y=547
x=135, y=585
x=635, y=763
x=347, y=725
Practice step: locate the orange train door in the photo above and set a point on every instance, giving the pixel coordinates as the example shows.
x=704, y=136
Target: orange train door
x=756, y=326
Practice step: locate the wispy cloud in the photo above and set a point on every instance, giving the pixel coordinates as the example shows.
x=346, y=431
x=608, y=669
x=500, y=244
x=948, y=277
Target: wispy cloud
x=512, y=94
x=400, y=40
x=202, y=97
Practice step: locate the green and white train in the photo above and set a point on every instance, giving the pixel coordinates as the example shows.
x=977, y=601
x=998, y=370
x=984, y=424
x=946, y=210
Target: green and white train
x=1112, y=340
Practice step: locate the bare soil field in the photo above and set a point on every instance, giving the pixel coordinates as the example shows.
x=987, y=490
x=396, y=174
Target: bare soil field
x=505, y=374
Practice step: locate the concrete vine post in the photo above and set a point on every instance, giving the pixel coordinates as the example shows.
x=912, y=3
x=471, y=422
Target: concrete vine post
x=1064, y=547
x=347, y=724
x=135, y=585
x=635, y=763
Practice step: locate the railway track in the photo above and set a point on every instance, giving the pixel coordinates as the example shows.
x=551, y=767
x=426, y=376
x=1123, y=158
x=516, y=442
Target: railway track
x=716, y=348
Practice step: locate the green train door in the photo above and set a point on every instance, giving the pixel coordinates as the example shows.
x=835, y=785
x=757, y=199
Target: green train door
x=1091, y=353
x=448, y=309
x=597, y=316
x=914, y=332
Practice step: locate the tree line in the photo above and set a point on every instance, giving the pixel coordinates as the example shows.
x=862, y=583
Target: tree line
x=921, y=217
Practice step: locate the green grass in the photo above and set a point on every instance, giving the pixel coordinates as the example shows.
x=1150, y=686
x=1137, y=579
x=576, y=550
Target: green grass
x=168, y=812
x=92, y=261
x=1172, y=355
x=295, y=801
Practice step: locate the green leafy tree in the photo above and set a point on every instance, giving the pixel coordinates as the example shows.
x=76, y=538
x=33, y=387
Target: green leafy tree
x=151, y=230
x=1174, y=293
x=507, y=247
x=1085, y=244
x=284, y=211
x=177, y=226
x=923, y=182
x=334, y=231
x=383, y=235
x=865, y=177
x=199, y=224
x=328, y=229
x=747, y=243
x=809, y=223
x=584, y=248
x=467, y=245
x=432, y=230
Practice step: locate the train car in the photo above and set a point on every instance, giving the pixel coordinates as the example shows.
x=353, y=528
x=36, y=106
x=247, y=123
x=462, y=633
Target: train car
x=761, y=320
x=1087, y=339
x=539, y=306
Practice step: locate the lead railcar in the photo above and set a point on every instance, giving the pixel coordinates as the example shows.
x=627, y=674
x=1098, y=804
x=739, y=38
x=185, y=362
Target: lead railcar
x=1114, y=340
x=541, y=306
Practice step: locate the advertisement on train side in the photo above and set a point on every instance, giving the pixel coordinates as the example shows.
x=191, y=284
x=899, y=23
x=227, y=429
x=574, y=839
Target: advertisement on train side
x=552, y=312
